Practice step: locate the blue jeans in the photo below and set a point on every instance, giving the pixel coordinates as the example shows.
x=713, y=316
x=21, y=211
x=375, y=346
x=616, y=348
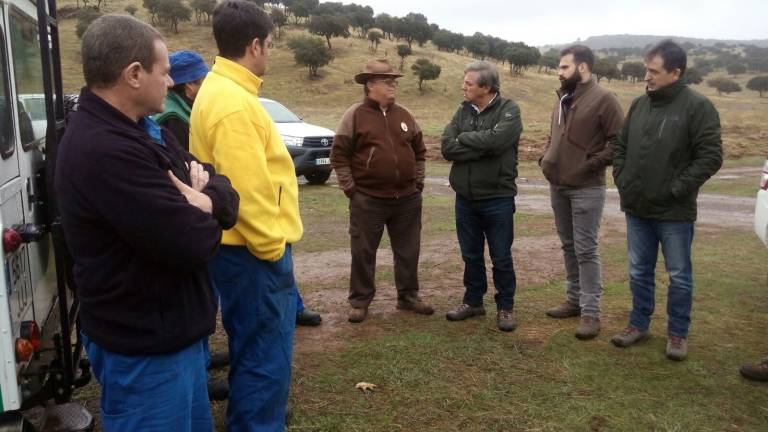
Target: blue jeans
x=643, y=239
x=160, y=393
x=258, y=309
x=490, y=220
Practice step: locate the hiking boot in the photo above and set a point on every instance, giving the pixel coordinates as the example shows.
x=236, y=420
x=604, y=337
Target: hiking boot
x=218, y=360
x=755, y=371
x=218, y=389
x=416, y=306
x=589, y=327
x=464, y=311
x=629, y=336
x=357, y=315
x=309, y=318
x=505, y=321
x=677, y=348
x=565, y=310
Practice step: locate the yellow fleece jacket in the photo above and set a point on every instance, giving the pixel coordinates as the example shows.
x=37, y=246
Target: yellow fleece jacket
x=230, y=129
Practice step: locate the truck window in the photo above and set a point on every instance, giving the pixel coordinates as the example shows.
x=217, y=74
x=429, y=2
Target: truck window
x=6, y=104
x=28, y=76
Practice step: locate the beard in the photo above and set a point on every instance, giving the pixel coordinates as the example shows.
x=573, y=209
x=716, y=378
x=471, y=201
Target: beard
x=568, y=85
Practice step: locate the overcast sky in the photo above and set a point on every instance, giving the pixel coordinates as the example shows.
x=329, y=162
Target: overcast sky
x=540, y=22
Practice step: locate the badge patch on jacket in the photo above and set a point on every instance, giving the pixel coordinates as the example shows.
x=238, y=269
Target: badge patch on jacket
x=404, y=127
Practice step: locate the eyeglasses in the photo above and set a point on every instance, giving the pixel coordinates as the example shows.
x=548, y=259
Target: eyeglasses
x=389, y=81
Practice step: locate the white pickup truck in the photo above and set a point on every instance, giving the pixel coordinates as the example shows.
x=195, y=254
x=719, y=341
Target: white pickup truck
x=761, y=207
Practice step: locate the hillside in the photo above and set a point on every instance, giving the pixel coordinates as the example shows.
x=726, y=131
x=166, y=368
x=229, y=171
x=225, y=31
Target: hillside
x=641, y=41
x=323, y=101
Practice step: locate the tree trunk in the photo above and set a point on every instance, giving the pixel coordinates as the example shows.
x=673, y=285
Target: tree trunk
x=328, y=39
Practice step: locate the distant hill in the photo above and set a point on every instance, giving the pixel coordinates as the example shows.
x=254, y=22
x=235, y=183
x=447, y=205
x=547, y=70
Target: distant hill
x=641, y=41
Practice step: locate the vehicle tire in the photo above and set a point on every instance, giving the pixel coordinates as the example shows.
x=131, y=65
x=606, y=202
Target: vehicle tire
x=317, y=177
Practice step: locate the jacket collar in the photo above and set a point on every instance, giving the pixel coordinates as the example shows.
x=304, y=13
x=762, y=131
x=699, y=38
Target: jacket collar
x=496, y=99
x=375, y=104
x=111, y=117
x=238, y=74
x=581, y=88
x=666, y=94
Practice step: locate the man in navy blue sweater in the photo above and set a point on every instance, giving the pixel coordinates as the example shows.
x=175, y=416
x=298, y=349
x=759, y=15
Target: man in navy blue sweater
x=142, y=218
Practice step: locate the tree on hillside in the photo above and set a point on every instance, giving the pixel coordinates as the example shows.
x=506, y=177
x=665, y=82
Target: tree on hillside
x=605, y=68
x=152, y=7
x=203, y=10
x=310, y=52
x=279, y=19
x=477, y=45
x=758, y=84
x=403, y=51
x=412, y=27
x=442, y=40
x=736, y=69
x=425, y=70
x=360, y=17
x=131, y=9
x=693, y=76
x=704, y=66
x=85, y=17
x=724, y=85
x=171, y=12
x=329, y=26
x=633, y=71
x=374, y=36
x=520, y=57
x=550, y=60
x=386, y=23
x=301, y=9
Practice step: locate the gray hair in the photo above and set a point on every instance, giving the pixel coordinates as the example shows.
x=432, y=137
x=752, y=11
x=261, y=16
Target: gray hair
x=487, y=74
x=111, y=43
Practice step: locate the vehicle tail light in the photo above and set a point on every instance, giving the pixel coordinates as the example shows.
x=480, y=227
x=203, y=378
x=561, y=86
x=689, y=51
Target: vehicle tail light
x=11, y=240
x=764, y=178
x=24, y=350
x=31, y=332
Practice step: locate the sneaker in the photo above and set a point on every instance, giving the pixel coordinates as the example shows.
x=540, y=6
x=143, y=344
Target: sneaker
x=464, y=311
x=756, y=371
x=357, y=315
x=589, y=328
x=218, y=360
x=308, y=317
x=565, y=310
x=416, y=306
x=677, y=348
x=629, y=336
x=505, y=321
x=218, y=389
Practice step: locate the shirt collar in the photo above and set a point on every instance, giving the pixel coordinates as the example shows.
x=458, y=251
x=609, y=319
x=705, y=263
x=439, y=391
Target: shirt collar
x=237, y=73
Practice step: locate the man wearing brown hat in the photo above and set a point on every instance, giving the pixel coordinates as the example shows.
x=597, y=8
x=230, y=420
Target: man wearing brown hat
x=378, y=154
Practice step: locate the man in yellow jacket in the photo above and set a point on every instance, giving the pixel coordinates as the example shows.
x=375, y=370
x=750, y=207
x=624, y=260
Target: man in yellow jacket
x=253, y=269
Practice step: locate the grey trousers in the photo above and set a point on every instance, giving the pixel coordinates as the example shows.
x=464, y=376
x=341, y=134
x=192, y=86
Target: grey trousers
x=577, y=217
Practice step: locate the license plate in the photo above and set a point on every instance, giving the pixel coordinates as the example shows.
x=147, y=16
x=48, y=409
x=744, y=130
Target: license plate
x=323, y=161
x=18, y=269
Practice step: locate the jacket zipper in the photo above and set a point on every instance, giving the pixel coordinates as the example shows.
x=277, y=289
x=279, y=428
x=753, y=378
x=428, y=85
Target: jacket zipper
x=370, y=157
x=394, y=152
x=661, y=129
x=279, y=196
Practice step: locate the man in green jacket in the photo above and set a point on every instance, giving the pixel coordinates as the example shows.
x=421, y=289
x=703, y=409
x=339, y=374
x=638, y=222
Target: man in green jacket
x=669, y=146
x=481, y=141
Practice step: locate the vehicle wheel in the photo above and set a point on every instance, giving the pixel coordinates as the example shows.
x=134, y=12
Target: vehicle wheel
x=317, y=177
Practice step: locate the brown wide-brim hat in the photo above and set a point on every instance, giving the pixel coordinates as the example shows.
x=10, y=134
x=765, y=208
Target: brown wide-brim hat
x=376, y=67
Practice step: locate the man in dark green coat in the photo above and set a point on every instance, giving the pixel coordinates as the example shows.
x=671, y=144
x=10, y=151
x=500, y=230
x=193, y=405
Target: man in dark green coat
x=481, y=141
x=669, y=146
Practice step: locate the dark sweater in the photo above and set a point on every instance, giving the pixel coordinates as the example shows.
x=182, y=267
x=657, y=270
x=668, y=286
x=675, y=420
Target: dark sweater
x=139, y=248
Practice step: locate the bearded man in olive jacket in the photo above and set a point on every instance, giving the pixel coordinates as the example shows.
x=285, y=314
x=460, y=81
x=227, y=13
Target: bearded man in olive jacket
x=481, y=142
x=669, y=146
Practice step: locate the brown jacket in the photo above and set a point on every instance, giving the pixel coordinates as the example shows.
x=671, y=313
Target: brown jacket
x=581, y=142
x=379, y=152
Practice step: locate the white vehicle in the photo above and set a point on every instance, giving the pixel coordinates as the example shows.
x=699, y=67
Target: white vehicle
x=309, y=145
x=40, y=346
x=761, y=207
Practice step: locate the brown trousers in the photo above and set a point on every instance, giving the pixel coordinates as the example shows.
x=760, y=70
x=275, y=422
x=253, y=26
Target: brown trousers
x=367, y=218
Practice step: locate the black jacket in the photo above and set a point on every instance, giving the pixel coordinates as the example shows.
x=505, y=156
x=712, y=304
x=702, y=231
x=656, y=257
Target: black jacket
x=139, y=248
x=483, y=149
x=669, y=146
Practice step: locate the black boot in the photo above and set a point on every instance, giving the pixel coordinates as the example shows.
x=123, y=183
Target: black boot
x=308, y=317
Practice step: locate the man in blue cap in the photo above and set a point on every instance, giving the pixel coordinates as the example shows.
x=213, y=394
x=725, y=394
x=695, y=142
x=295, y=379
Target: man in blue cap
x=187, y=72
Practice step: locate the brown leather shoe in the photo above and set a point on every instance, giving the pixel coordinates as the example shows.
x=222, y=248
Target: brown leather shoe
x=357, y=315
x=565, y=310
x=677, y=348
x=416, y=306
x=756, y=371
x=629, y=336
x=589, y=328
x=505, y=321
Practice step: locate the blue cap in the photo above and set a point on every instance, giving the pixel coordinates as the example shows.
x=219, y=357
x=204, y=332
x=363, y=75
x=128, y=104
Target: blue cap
x=187, y=66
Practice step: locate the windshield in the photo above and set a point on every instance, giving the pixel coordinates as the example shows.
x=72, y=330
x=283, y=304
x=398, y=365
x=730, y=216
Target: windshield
x=279, y=113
